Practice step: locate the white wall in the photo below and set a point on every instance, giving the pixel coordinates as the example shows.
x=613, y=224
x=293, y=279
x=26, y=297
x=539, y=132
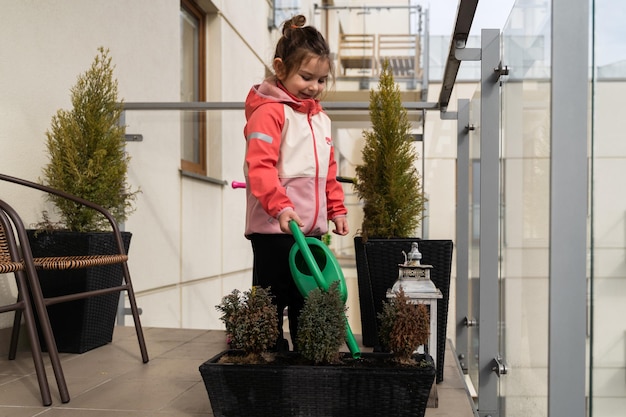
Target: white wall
x=45, y=46
x=185, y=252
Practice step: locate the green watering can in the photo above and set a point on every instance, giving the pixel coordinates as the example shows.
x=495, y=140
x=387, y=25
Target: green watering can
x=313, y=265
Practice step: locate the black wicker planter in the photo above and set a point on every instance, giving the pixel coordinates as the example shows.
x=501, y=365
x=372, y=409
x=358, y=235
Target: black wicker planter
x=377, y=269
x=80, y=325
x=370, y=386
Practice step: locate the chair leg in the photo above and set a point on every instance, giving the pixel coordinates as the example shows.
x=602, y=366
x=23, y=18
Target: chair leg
x=46, y=329
x=40, y=370
x=15, y=333
x=135, y=312
x=35, y=348
x=54, y=359
x=138, y=329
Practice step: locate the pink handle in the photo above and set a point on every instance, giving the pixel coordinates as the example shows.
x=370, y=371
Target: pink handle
x=238, y=184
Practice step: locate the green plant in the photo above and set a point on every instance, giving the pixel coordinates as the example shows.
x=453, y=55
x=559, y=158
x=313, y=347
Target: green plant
x=251, y=321
x=86, y=151
x=404, y=326
x=388, y=182
x=322, y=325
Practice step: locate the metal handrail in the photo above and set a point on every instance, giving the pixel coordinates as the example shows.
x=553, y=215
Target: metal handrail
x=225, y=105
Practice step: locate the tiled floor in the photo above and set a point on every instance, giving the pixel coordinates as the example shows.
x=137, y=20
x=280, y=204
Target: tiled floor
x=111, y=381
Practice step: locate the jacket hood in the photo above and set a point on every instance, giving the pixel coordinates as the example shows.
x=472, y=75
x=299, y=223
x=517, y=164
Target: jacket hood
x=272, y=91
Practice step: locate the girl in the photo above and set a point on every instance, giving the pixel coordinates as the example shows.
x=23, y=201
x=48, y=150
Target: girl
x=290, y=166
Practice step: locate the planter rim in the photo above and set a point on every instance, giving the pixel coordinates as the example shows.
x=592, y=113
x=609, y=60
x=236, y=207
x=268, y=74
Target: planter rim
x=346, y=356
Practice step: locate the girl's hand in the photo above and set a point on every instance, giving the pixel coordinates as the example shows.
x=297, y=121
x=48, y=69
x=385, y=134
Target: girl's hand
x=285, y=218
x=341, y=226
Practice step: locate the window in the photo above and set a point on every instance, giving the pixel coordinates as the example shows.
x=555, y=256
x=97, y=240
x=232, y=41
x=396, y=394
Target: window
x=192, y=87
x=285, y=9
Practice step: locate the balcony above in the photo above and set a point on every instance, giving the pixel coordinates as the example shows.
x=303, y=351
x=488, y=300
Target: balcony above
x=362, y=56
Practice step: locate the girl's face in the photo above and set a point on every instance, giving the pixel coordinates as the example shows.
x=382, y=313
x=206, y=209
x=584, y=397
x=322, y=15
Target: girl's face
x=310, y=79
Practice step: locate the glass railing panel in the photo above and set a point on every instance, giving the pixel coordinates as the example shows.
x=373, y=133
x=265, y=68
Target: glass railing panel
x=524, y=227
x=474, y=239
x=439, y=48
x=607, y=383
x=163, y=139
x=198, y=128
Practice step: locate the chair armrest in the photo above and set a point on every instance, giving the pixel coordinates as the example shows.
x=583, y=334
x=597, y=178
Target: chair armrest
x=79, y=200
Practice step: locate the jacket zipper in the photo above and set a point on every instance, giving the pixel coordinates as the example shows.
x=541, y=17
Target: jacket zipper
x=317, y=169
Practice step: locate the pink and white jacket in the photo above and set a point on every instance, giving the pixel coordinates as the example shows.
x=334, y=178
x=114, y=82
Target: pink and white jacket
x=290, y=162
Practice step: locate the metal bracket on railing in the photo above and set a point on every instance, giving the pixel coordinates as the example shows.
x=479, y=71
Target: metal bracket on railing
x=500, y=367
x=462, y=363
x=133, y=137
x=470, y=322
x=501, y=70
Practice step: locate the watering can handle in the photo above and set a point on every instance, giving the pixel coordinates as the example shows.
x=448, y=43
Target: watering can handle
x=307, y=255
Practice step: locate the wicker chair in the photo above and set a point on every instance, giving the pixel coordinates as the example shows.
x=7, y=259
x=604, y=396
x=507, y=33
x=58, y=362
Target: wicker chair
x=24, y=261
x=10, y=262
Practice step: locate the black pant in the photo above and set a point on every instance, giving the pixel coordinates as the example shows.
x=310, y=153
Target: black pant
x=271, y=269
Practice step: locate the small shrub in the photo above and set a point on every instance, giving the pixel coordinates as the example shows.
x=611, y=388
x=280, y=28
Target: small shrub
x=322, y=326
x=251, y=321
x=404, y=326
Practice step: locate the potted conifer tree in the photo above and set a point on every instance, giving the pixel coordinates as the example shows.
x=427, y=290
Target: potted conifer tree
x=389, y=185
x=87, y=158
x=387, y=181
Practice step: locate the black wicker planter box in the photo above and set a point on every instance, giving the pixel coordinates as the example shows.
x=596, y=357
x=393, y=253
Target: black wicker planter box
x=377, y=269
x=81, y=325
x=370, y=386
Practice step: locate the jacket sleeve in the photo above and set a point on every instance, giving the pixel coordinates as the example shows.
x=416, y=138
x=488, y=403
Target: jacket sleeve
x=263, y=136
x=334, y=190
